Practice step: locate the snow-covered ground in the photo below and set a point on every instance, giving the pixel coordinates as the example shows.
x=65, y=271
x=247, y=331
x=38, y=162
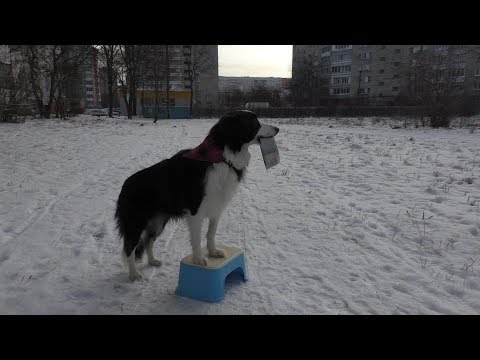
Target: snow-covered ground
x=354, y=220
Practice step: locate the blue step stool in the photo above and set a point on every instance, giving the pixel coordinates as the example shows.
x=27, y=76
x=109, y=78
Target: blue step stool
x=207, y=283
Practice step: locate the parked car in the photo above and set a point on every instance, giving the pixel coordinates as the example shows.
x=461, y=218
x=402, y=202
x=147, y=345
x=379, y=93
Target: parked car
x=101, y=112
x=257, y=105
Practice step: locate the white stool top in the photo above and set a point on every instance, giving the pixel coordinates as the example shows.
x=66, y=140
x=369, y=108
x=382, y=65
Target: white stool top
x=215, y=263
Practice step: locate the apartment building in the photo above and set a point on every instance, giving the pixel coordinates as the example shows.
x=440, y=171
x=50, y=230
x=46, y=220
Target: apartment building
x=378, y=70
x=247, y=83
x=205, y=87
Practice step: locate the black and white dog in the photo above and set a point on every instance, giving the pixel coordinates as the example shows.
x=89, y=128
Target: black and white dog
x=193, y=184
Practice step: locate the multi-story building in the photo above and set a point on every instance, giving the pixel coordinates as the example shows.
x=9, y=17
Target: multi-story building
x=380, y=71
x=180, y=85
x=247, y=83
x=90, y=80
x=339, y=79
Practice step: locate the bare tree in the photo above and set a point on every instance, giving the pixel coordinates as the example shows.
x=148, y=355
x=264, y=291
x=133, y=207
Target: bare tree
x=306, y=85
x=202, y=60
x=34, y=55
x=110, y=55
x=132, y=57
x=50, y=68
x=154, y=73
x=167, y=75
x=14, y=93
x=432, y=81
x=233, y=97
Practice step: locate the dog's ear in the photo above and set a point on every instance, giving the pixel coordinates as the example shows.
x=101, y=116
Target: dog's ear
x=222, y=133
x=234, y=129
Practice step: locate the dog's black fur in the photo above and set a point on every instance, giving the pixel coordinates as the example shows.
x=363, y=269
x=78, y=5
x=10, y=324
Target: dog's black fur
x=175, y=185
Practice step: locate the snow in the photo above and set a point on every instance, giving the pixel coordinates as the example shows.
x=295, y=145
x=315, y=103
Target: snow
x=358, y=218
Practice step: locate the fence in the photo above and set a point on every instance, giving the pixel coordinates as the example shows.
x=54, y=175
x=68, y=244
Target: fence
x=15, y=112
x=356, y=106
x=318, y=111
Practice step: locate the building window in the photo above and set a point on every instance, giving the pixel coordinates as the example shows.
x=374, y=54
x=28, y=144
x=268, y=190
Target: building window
x=380, y=95
x=340, y=47
x=477, y=71
x=367, y=79
x=341, y=57
x=364, y=55
x=396, y=63
x=342, y=68
x=396, y=76
x=397, y=51
x=380, y=83
x=365, y=67
x=476, y=85
x=382, y=58
x=341, y=91
x=341, y=80
x=395, y=88
x=381, y=71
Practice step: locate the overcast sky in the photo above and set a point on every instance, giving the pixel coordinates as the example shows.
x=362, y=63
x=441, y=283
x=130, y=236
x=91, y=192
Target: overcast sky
x=255, y=60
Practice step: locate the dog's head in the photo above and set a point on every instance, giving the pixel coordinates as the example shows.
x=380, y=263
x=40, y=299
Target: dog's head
x=239, y=128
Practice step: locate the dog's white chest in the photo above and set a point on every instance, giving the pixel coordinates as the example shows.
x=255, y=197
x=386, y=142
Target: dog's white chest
x=221, y=185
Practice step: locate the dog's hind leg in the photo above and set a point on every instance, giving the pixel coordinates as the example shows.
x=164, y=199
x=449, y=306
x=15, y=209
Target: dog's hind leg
x=149, y=247
x=131, y=241
x=212, y=230
x=133, y=274
x=155, y=228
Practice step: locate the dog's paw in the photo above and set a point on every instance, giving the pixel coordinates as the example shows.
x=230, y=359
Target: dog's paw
x=155, y=262
x=202, y=261
x=217, y=253
x=135, y=276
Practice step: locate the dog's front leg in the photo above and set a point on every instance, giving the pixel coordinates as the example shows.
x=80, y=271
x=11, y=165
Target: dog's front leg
x=212, y=230
x=195, y=227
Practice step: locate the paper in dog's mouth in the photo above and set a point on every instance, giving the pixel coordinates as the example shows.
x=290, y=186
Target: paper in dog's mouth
x=269, y=148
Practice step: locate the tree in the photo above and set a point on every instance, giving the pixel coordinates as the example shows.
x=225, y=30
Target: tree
x=154, y=73
x=305, y=85
x=157, y=66
x=50, y=68
x=167, y=75
x=233, y=97
x=110, y=54
x=202, y=60
x=132, y=57
x=14, y=99
x=432, y=76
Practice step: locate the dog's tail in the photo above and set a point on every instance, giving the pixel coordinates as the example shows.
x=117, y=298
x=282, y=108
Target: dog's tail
x=127, y=231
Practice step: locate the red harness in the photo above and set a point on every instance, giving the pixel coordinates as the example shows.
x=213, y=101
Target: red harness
x=210, y=152
x=206, y=151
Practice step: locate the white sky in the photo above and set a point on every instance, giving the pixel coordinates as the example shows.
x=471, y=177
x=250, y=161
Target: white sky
x=255, y=60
